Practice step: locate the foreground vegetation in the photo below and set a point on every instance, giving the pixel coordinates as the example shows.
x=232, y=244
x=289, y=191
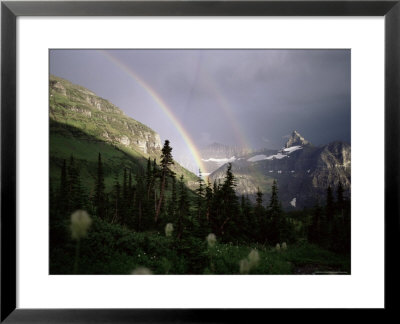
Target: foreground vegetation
x=113, y=249
x=150, y=222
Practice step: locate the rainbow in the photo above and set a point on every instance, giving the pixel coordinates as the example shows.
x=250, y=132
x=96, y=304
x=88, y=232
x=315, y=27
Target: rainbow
x=223, y=104
x=226, y=108
x=160, y=103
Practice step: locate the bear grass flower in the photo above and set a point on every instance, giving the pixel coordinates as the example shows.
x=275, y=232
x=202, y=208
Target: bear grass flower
x=80, y=223
x=254, y=258
x=249, y=263
x=278, y=247
x=284, y=246
x=169, y=228
x=211, y=240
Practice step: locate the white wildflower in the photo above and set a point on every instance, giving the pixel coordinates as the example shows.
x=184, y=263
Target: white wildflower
x=254, y=258
x=80, y=223
x=211, y=240
x=278, y=247
x=169, y=228
x=284, y=246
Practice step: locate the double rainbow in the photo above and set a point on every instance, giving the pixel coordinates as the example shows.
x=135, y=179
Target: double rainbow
x=160, y=103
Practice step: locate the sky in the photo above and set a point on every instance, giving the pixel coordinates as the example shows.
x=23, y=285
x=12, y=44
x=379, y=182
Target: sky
x=247, y=98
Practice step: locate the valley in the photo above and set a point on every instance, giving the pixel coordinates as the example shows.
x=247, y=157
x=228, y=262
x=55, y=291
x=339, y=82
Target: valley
x=260, y=211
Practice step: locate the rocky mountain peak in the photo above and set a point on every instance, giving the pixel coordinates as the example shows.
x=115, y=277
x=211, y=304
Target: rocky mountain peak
x=296, y=139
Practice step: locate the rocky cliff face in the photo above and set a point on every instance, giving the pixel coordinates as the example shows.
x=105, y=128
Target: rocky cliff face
x=77, y=106
x=217, y=150
x=303, y=172
x=216, y=155
x=333, y=165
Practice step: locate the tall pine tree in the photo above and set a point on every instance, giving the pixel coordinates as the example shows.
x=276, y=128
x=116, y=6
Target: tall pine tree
x=166, y=162
x=62, y=197
x=183, y=207
x=200, y=195
x=76, y=195
x=99, y=195
x=259, y=223
x=276, y=222
x=230, y=207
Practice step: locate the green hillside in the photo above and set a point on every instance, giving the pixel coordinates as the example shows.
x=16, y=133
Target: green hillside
x=83, y=124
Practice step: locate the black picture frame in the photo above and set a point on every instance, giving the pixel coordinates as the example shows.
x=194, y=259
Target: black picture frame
x=10, y=10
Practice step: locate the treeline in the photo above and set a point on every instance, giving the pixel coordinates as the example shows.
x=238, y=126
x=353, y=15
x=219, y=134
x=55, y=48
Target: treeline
x=148, y=201
x=329, y=225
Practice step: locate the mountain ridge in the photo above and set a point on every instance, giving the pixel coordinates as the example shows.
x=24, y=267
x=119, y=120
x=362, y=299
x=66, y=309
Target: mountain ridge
x=303, y=171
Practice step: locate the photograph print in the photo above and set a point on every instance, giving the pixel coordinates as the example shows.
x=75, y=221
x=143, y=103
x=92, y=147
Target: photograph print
x=200, y=161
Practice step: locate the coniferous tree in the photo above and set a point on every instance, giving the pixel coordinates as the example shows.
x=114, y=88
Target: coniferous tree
x=141, y=192
x=215, y=187
x=216, y=208
x=230, y=207
x=166, y=162
x=63, y=198
x=131, y=192
x=53, y=200
x=183, y=207
x=340, y=198
x=58, y=213
x=116, y=201
x=328, y=224
x=173, y=202
x=329, y=205
x=100, y=196
x=129, y=202
x=247, y=219
x=314, y=230
x=259, y=223
x=125, y=195
x=339, y=229
x=346, y=230
x=149, y=178
x=276, y=222
x=148, y=204
x=71, y=184
x=155, y=176
x=76, y=195
x=200, y=195
x=208, y=201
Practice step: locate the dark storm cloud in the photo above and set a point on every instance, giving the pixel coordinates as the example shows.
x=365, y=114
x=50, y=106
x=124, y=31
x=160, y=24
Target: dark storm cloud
x=268, y=93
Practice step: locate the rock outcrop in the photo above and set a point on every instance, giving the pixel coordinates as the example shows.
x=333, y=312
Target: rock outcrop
x=74, y=104
x=296, y=139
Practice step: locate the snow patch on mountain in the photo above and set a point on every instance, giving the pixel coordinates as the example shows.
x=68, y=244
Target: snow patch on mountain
x=256, y=158
x=292, y=149
x=261, y=157
x=220, y=161
x=280, y=155
x=276, y=156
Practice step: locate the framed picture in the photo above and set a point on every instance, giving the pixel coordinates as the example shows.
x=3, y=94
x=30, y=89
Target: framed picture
x=207, y=143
